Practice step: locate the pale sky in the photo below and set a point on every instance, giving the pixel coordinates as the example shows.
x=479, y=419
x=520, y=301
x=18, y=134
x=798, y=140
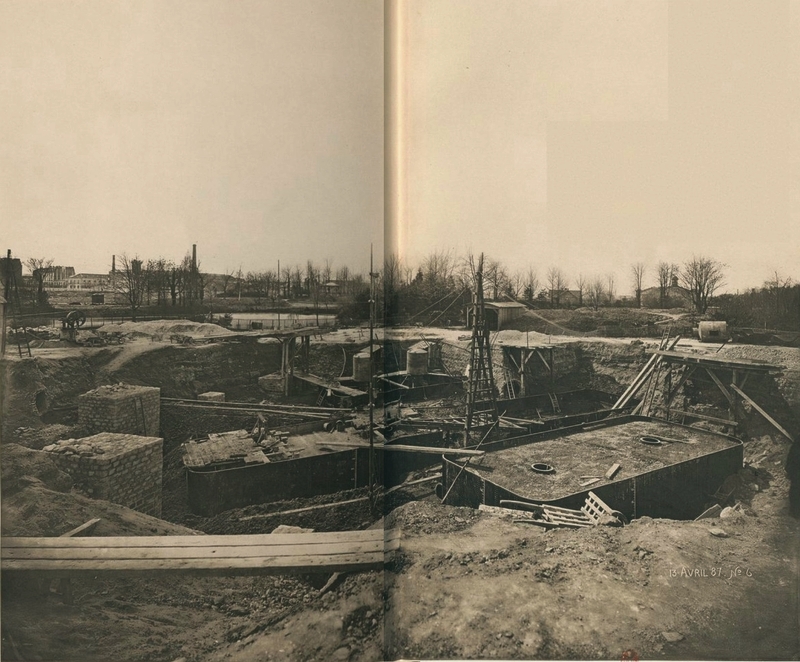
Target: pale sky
x=253, y=128
x=592, y=135
x=588, y=134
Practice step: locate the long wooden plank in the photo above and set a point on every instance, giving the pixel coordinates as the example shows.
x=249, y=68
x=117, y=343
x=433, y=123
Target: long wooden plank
x=251, y=405
x=206, y=541
x=245, y=551
x=762, y=412
x=739, y=364
x=271, y=565
x=321, y=506
x=704, y=417
x=401, y=448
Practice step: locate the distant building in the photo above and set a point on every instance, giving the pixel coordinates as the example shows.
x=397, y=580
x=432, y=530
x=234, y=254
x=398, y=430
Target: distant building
x=498, y=313
x=58, y=277
x=675, y=296
x=10, y=270
x=93, y=282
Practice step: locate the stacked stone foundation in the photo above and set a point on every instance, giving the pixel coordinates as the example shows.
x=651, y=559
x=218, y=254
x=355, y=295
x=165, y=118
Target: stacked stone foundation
x=121, y=408
x=125, y=469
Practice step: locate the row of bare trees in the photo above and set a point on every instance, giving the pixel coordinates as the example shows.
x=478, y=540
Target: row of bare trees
x=410, y=290
x=435, y=286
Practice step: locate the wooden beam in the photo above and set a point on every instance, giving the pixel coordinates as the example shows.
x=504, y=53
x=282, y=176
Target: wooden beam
x=546, y=364
x=400, y=448
x=705, y=417
x=397, y=384
x=686, y=374
x=83, y=530
x=432, y=450
x=635, y=384
x=719, y=383
x=762, y=412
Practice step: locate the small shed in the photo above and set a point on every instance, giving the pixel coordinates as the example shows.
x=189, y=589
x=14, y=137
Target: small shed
x=499, y=313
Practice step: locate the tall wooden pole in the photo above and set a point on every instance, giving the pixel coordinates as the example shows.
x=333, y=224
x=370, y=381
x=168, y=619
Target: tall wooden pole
x=369, y=387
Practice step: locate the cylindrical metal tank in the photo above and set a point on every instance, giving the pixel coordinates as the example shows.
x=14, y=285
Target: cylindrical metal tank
x=361, y=367
x=417, y=361
x=712, y=331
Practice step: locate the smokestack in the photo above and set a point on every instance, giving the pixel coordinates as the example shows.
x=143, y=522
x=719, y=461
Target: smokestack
x=113, y=264
x=194, y=257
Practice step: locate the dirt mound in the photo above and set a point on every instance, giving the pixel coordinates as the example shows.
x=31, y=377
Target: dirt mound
x=165, y=328
x=39, y=437
x=36, y=510
x=22, y=467
x=431, y=517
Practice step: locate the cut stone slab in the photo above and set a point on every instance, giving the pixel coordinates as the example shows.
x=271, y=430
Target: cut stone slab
x=719, y=533
x=672, y=637
x=212, y=396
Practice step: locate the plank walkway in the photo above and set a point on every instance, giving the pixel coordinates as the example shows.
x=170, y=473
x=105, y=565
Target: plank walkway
x=204, y=555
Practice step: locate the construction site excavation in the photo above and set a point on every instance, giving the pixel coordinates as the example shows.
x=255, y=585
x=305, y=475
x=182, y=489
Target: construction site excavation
x=478, y=490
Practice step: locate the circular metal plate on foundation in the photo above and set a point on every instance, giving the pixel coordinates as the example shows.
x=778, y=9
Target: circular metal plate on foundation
x=651, y=441
x=542, y=468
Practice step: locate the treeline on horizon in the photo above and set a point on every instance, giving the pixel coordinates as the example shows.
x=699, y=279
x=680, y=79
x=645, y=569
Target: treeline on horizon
x=436, y=290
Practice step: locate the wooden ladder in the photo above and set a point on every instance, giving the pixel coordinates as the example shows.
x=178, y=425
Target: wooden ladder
x=510, y=383
x=554, y=403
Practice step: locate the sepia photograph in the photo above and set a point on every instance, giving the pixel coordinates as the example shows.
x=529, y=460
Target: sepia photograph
x=369, y=330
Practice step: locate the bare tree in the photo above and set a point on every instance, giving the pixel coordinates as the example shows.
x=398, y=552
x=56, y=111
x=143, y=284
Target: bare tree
x=131, y=282
x=596, y=292
x=531, y=284
x=637, y=273
x=582, y=284
x=327, y=270
x=514, y=285
x=666, y=273
x=778, y=286
x=702, y=276
x=611, y=288
x=556, y=283
x=39, y=268
x=227, y=278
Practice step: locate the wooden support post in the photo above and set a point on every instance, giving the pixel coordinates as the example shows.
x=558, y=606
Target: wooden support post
x=285, y=365
x=686, y=374
x=762, y=412
x=636, y=384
